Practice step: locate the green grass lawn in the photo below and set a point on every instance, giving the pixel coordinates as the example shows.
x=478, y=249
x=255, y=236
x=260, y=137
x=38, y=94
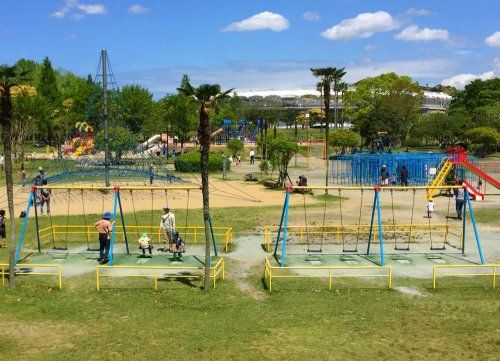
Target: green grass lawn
x=128, y=320
x=179, y=322
x=487, y=215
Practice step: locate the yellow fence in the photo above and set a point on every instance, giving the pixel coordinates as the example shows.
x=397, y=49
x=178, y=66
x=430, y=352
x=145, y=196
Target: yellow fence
x=158, y=272
x=487, y=270
x=194, y=234
x=57, y=272
x=270, y=273
x=336, y=232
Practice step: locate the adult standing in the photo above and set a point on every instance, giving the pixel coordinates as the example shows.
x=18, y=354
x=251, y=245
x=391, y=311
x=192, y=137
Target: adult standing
x=224, y=166
x=104, y=227
x=45, y=198
x=404, y=176
x=252, y=156
x=167, y=226
x=459, y=199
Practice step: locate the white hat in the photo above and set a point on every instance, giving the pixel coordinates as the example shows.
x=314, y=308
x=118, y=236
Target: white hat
x=40, y=168
x=165, y=206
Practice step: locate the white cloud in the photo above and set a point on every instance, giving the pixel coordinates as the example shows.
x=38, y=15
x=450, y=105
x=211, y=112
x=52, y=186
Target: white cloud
x=414, y=33
x=281, y=75
x=362, y=26
x=77, y=10
x=493, y=40
x=262, y=21
x=311, y=16
x=461, y=80
x=496, y=63
x=420, y=12
x=138, y=9
x=72, y=37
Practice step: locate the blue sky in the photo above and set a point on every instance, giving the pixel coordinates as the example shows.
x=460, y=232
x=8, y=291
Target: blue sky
x=254, y=44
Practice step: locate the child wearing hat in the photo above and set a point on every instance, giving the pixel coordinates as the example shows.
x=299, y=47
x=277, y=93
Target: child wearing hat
x=104, y=227
x=177, y=246
x=430, y=208
x=145, y=244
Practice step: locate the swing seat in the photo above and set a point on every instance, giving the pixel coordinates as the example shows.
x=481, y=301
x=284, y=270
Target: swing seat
x=59, y=248
x=401, y=249
x=355, y=250
x=315, y=250
x=438, y=248
x=92, y=249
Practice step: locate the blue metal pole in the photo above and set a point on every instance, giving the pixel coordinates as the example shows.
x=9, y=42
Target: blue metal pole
x=113, y=232
x=123, y=222
x=371, y=222
x=285, y=225
x=474, y=226
x=464, y=216
x=380, y=235
x=23, y=229
x=213, y=236
x=280, y=228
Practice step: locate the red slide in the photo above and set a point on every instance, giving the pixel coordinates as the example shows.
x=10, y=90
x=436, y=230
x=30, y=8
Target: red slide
x=480, y=173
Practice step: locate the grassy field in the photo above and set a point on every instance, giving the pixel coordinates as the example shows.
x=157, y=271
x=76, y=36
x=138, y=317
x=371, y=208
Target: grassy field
x=487, y=215
x=300, y=321
x=181, y=323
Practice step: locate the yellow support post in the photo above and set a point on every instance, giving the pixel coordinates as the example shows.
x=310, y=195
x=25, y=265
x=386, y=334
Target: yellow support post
x=97, y=278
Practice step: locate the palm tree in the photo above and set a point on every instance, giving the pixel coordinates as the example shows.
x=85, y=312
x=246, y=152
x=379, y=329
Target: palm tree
x=10, y=77
x=327, y=76
x=339, y=74
x=342, y=87
x=207, y=96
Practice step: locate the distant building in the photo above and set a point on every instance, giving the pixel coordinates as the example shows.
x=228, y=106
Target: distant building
x=434, y=101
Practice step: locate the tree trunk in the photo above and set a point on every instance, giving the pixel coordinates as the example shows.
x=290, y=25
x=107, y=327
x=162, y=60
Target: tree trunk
x=326, y=97
x=204, y=134
x=336, y=113
x=6, y=106
x=265, y=138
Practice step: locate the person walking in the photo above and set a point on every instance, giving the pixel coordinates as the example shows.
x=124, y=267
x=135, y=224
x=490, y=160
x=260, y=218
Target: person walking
x=104, y=227
x=459, y=199
x=151, y=174
x=167, y=226
x=2, y=162
x=430, y=208
x=252, y=156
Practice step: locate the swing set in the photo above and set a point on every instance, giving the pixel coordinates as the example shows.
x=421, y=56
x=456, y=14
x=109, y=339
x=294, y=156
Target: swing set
x=77, y=235
x=364, y=227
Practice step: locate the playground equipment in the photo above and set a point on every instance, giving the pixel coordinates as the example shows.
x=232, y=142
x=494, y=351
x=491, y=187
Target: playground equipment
x=463, y=169
x=81, y=141
x=364, y=168
x=373, y=233
x=382, y=141
x=70, y=240
x=244, y=130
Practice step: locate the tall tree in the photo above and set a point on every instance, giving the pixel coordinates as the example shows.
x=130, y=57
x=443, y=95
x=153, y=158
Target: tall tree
x=327, y=76
x=181, y=114
x=10, y=76
x=339, y=74
x=207, y=96
x=47, y=86
x=136, y=105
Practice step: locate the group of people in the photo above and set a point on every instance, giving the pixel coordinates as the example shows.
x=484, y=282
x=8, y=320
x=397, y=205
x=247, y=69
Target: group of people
x=173, y=242
x=385, y=175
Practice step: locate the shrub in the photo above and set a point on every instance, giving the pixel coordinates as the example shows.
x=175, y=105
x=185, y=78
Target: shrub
x=264, y=167
x=235, y=146
x=191, y=162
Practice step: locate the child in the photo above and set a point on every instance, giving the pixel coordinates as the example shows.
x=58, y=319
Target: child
x=430, y=208
x=3, y=234
x=177, y=246
x=145, y=244
x=479, y=184
x=393, y=180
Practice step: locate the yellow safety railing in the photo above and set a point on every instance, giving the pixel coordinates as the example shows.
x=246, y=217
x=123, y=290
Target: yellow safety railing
x=488, y=270
x=58, y=272
x=158, y=272
x=194, y=234
x=270, y=273
x=302, y=232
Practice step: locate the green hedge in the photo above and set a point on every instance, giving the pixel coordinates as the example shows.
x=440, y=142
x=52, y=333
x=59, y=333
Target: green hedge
x=190, y=162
